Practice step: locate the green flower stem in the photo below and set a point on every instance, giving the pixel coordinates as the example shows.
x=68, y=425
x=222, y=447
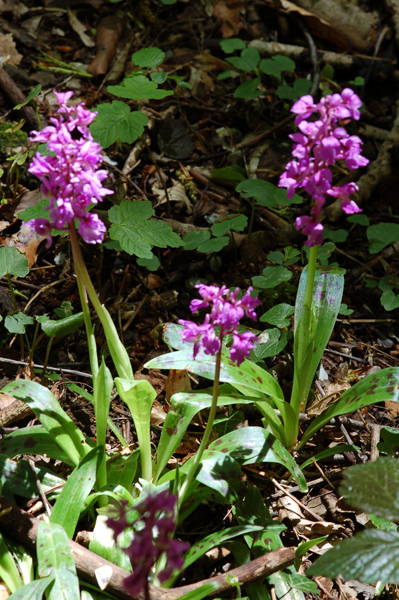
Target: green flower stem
x=208, y=429
x=118, y=352
x=300, y=391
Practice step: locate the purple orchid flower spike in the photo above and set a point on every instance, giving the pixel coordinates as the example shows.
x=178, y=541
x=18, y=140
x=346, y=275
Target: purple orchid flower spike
x=317, y=147
x=153, y=531
x=226, y=313
x=70, y=176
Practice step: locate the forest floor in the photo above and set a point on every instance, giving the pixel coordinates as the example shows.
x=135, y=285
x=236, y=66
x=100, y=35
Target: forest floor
x=200, y=128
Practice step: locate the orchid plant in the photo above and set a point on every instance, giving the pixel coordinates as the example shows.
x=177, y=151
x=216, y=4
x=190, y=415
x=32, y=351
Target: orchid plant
x=321, y=141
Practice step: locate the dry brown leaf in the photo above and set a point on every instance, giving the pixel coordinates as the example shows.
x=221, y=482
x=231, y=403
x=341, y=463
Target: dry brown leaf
x=4, y=593
x=228, y=17
x=80, y=29
x=318, y=528
x=333, y=392
x=319, y=27
x=27, y=242
x=153, y=281
x=177, y=381
x=108, y=35
x=5, y=400
x=8, y=50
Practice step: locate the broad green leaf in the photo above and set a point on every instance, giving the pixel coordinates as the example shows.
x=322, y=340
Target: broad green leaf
x=70, y=503
x=276, y=65
x=103, y=387
x=249, y=445
x=122, y=469
x=374, y=487
x=64, y=326
x=46, y=408
x=215, y=539
x=138, y=87
x=103, y=544
x=213, y=245
x=136, y=233
x=378, y=387
x=271, y=343
x=248, y=89
x=278, y=315
x=383, y=524
x=13, y=262
x=139, y=395
x=310, y=339
x=193, y=239
x=174, y=139
x=359, y=219
x=302, y=584
x=8, y=569
x=230, y=223
x=17, y=322
x=183, y=408
x=389, y=300
x=247, y=61
x=382, y=235
x=54, y=556
x=230, y=173
x=389, y=443
x=266, y=193
x=301, y=87
x=148, y=57
x=248, y=378
x=335, y=235
x=232, y=44
x=271, y=277
x=31, y=440
x=33, y=590
x=369, y=556
x=38, y=211
x=17, y=477
x=203, y=592
x=220, y=472
x=115, y=122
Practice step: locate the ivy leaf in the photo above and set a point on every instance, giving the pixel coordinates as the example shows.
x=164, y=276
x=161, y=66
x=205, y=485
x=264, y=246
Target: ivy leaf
x=17, y=322
x=230, y=223
x=270, y=343
x=374, y=487
x=278, y=315
x=138, y=87
x=194, y=238
x=370, y=556
x=276, y=65
x=382, y=235
x=232, y=44
x=266, y=193
x=137, y=234
x=248, y=89
x=389, y=300
x=248, y=61
x=148, y=57
x=213, y=245
x=115, y=122
x=13, y=262
x=271, y=277
x=38, y=211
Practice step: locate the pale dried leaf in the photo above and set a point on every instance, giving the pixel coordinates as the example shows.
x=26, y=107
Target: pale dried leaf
x=80, y=29
x=176, y=193
x=177, y=381
x=8, y=50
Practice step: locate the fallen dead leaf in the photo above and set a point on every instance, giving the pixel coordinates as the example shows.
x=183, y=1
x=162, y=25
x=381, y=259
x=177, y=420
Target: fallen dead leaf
x=228, y=15
x=177, y=381
x=80, y=29
x=8, y=50
x=108, y=35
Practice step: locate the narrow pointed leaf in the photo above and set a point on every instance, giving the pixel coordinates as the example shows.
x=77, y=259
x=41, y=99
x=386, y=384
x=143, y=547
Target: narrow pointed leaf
x=55, y=557
x=70, y=503
x=59, y=425
x=378, y=387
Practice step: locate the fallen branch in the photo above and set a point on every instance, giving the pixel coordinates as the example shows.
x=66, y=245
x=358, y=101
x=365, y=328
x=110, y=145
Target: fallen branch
x=23, y=527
